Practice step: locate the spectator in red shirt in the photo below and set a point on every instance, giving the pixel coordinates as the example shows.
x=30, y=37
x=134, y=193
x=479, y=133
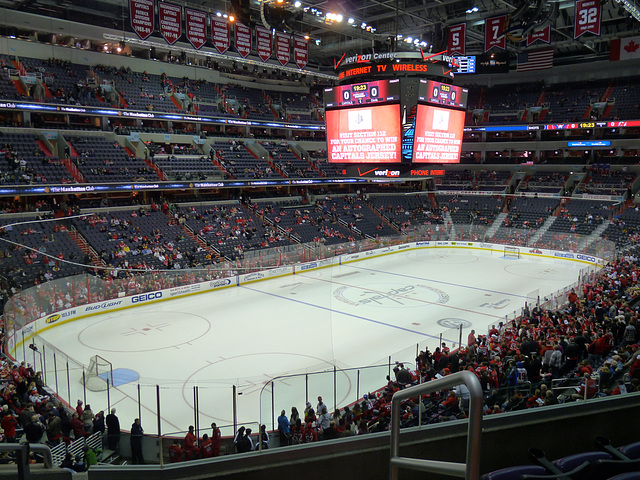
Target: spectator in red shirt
x=191, y=450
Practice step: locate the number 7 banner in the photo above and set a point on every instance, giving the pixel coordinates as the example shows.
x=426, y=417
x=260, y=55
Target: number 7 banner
x=587, y=17
x=456, y=43
x=494, y=33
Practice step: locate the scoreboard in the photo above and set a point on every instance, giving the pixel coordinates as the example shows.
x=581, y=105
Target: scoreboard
x=364, y=93
x=367, y=123
x=442, y=94
x=466, y=64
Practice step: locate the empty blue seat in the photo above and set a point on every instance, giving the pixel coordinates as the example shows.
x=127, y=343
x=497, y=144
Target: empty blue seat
x=514, y=473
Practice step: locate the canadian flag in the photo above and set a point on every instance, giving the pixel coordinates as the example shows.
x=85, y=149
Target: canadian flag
x=624, y=48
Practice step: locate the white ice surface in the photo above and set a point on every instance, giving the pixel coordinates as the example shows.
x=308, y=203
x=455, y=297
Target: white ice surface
x=349, y=316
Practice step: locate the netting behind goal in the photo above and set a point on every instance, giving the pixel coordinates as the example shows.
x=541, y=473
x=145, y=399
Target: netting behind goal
x=512, y=252
x=98, y=375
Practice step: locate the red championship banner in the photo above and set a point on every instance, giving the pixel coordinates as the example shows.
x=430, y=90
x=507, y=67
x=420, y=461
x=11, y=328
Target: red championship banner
x=301, y=51
x=587, y=19
x=494, y=33
x=457, y=40
x=283, y=48
x=141, y=17
x=243, y=40
x=196, y=25
x=221, y=34
x=263, y=43
x=543, y=35
x=170, y=21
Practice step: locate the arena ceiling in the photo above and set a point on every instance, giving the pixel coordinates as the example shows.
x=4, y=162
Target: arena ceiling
x=426, y=20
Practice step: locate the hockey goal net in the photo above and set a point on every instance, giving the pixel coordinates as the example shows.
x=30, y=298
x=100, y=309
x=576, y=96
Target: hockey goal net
x=512, y=252
x=99, y=374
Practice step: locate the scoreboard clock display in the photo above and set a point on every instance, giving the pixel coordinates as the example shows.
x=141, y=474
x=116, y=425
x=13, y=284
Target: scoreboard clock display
x=364, y=93
x=442, y=94
x=466, y=64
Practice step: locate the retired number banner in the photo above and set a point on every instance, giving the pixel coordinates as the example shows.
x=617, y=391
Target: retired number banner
x=221, y=34
x=283, y=48
x=457, y=40
x=494, y=33
x=141, y=17
x=243, y=40
x=263, y=43
x=587, y=17
x=196, y=21
x=301, y=51
x=543, y=35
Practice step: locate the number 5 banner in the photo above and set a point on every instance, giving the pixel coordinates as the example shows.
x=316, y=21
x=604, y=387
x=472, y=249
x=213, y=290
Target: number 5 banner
x=456, y=43
x=587, y=17
x=494, y=33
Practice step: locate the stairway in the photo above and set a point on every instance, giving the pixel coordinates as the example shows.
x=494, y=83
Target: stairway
x=72, y=149
x=153, y=167
x=44, y=148
x=20, y=67
x=383, y=218
x=47, y=92
x=192, y=235
x=448, y=221
x=86, y=248
x=19, y=87
x=542, y=230
x=595, y=235
x=219, y=166
x=497, y=223
x=73, y=170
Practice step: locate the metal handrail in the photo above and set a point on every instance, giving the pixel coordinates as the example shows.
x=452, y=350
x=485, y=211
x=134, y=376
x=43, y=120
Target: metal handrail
x=470, y=470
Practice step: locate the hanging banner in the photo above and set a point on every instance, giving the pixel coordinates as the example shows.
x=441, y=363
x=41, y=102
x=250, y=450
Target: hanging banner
x=243, y=40
x=263, y=43
x=283, y=48
x=543, y=35
x=301, y=51
x=170, y=21
x=221, y=33
x=494, y=33
x=587, y=18
x=141, y=17
x=457, y=39
x=196, y=25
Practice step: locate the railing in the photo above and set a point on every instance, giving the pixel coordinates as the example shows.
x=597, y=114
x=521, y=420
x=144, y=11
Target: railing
x=22, y=456
x=470, y=470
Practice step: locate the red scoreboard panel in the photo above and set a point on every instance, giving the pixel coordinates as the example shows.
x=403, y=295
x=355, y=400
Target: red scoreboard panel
x=365, y=134
x=442, y=94
x=362, y=93
x=438, y=135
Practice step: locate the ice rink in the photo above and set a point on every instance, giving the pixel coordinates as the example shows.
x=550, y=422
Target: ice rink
x=346, y=316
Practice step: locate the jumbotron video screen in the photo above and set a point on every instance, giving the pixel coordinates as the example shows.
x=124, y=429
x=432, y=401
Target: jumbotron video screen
x=365, y=123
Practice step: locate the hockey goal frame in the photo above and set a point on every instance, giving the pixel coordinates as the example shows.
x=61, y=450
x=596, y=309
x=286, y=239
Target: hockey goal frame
x=510, y=251
x=91, y=376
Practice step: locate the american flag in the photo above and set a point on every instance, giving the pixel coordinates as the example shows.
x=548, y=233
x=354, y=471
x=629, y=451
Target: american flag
x=536, y=60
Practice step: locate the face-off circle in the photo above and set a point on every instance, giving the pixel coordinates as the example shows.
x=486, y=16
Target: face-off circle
x=144, y=331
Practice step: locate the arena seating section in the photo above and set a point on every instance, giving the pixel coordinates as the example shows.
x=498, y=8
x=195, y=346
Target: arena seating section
x=193, y=231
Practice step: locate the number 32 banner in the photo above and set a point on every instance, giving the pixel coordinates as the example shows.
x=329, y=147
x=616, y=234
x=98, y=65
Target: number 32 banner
x=587, y=17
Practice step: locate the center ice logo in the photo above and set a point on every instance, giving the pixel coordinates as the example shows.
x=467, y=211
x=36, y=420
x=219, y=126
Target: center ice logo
x=386, y=295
